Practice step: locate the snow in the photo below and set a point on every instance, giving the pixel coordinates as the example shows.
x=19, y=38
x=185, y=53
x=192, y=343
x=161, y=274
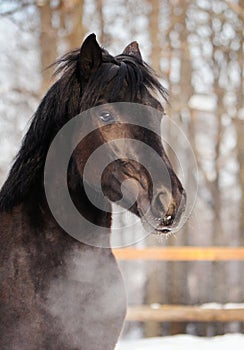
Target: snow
x=207, y=103
x=180, y=342
x=223, y=306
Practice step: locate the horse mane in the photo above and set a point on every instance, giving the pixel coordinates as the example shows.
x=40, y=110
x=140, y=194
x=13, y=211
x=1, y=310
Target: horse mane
x=64, y=100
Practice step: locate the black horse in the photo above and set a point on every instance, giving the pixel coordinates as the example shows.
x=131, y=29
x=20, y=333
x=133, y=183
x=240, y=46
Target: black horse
x=56, y=292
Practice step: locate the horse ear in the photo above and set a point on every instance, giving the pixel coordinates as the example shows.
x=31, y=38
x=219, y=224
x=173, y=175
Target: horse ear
x=133, y=49
x=90, y=56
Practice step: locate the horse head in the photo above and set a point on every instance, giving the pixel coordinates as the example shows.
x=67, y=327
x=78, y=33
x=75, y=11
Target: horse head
x=120, y=94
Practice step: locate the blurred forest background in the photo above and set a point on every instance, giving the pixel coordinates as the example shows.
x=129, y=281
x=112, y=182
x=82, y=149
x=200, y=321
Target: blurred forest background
x=197, y=49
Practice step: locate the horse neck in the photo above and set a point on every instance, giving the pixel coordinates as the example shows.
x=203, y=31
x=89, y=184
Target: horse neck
x=87, y=209
x=33, y=215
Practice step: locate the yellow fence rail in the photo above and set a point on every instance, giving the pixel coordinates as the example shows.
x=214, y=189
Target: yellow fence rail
x=182, y=313
x=181, y=253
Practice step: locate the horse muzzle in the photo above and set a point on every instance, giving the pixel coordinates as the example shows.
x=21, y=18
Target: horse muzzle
x=164, y=213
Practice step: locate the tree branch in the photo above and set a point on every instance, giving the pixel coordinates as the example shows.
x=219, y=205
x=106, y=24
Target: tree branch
x=17, y=9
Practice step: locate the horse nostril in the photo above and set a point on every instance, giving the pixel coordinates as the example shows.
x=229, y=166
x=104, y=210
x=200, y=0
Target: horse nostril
x=160, y=202
x=168, y=220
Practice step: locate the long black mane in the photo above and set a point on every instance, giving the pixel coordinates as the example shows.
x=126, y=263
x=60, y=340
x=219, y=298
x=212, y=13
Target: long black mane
x=70, y=95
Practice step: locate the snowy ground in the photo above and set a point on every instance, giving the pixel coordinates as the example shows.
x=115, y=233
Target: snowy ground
x=182, y=342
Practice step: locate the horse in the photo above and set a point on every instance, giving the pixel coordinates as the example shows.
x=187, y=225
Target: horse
x=56, y=291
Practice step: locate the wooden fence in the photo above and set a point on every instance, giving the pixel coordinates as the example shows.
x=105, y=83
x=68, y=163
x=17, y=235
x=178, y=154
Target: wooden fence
x=182, y=313
x=181, y=253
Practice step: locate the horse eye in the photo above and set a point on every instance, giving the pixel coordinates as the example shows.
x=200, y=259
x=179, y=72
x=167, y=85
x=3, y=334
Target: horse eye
x=106, y=117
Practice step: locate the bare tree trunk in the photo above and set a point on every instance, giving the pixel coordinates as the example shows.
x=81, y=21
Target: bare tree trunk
x=219, y=273
x=177, y=271
x=240, y=156
x=154, y=288
x=48, y=43
x=239, y=125
x=155, y=56
x=218, y=268
x=153, y=295
x=102, y=38
x=75, y=17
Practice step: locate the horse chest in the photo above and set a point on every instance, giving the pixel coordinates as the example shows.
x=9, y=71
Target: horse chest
x=88, y=302
x=55, y=298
